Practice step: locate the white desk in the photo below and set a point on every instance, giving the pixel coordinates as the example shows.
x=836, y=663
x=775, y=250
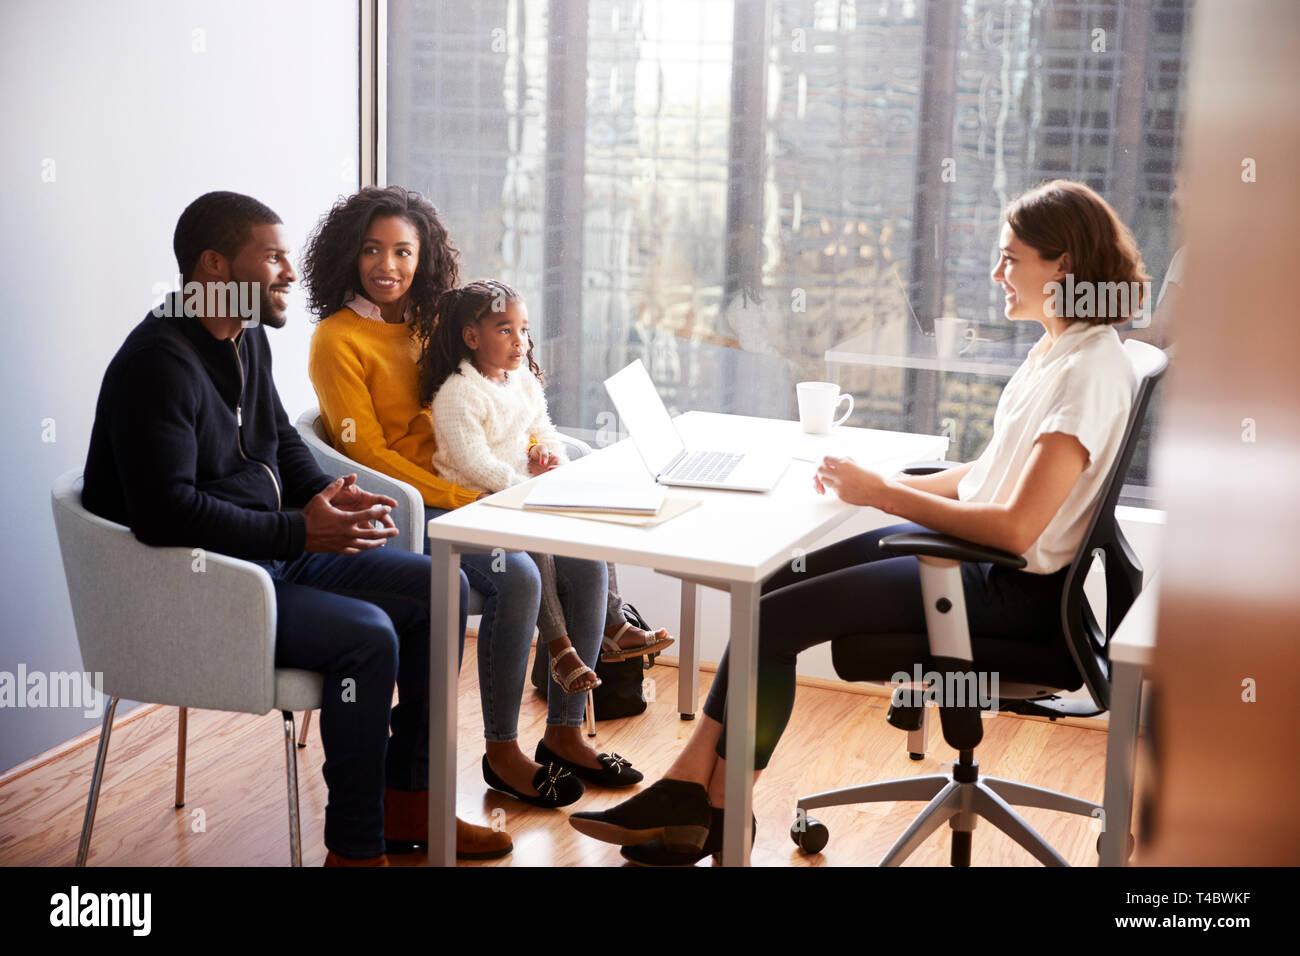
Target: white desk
x=733, y=541
x=1131, y=648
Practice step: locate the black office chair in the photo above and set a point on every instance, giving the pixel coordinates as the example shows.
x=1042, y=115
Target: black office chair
x=1030, y=677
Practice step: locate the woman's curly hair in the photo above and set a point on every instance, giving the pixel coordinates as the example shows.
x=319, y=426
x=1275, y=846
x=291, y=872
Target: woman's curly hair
x=329, y=266
x=441, y=336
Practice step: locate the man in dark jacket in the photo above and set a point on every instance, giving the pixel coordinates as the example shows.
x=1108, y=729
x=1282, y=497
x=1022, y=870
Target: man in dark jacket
x=192, y=447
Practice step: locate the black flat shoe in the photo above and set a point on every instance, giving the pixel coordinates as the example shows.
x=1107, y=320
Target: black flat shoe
x=614, y=772
x=657, y=853
x=672, y=810
x=554, y=786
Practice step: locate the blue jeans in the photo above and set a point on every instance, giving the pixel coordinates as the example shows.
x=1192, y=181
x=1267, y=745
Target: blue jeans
x=362, y=621
x=852, y=587
x=511, y=589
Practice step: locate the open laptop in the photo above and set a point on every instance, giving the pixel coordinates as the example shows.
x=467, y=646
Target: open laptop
x=661, y=447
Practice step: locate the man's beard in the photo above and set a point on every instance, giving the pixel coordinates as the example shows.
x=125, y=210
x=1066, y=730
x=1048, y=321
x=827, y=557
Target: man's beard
x=271, y=317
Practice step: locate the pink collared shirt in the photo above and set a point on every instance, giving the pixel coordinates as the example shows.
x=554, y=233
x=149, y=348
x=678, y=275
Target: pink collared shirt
x=368, y=310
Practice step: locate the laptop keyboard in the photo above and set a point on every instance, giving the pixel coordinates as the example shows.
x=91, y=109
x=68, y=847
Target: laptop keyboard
x=706, y=466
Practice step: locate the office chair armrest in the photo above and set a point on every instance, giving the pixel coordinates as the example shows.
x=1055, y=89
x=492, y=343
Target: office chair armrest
x=941, y=588
x=927, y=467
x=934, y=545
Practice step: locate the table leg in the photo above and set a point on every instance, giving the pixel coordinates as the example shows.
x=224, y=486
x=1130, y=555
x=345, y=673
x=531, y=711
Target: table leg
x=444, y=605
x=1121, y=755
x=688, y=654
x=742, y=691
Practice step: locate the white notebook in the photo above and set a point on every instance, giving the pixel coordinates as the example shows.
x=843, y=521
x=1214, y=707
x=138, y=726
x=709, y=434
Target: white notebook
x=594, y=496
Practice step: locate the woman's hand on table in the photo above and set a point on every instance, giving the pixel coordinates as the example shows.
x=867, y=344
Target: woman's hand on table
x=854, y=484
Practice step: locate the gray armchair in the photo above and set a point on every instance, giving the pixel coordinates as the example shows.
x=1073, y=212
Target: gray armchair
x=174, y=626
x=409, y=513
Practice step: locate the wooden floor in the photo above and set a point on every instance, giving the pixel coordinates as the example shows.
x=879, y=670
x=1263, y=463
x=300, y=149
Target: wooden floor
x=235, y=814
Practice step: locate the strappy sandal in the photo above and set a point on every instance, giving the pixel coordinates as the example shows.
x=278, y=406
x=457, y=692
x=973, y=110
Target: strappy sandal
x=612, y=651
x=569, y=682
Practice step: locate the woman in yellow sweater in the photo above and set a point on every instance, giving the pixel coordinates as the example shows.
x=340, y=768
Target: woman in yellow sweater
x=376, y=264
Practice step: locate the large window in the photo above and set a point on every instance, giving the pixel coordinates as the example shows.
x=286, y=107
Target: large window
x=748, y=194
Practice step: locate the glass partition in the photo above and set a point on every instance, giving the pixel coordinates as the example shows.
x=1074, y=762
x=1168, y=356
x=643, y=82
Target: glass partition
x=746, y=194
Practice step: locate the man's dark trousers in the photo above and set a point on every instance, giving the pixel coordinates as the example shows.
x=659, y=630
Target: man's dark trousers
x=362, y=620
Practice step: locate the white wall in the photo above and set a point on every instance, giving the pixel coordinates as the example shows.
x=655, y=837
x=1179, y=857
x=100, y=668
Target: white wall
x=141, y=107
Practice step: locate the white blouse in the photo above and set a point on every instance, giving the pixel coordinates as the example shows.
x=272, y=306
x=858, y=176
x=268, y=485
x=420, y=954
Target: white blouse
x=1082, y=385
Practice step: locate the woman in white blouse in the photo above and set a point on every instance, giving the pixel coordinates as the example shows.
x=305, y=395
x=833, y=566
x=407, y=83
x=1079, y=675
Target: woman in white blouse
x=1056, y=431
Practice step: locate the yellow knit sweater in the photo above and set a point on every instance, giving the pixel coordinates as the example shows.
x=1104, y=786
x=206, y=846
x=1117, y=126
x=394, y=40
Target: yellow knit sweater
x=365, y=380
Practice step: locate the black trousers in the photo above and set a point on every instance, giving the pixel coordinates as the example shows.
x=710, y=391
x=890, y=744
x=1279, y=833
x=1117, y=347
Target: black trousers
x=854, y=588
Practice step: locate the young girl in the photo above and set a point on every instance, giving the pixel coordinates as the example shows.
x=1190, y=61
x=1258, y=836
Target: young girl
x=489, y=413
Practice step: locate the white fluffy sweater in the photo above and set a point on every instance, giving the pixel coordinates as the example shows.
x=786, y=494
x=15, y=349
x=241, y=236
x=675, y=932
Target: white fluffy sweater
x=482, y=428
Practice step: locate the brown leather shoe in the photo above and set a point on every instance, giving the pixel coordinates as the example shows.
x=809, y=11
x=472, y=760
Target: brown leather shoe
x=406, y=828
x=333, y=859
x=474, y=842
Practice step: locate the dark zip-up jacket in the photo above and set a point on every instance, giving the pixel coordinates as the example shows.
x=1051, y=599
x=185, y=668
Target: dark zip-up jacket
x=192, y=447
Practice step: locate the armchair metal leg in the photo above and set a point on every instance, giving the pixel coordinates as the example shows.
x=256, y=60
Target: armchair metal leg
x=946, y=803
x=887, y=791
x=306, y=723
x=994, y=809
x=101, y=755
x=181, y=727
x=1025, y=795
x=590, y=716
x=291, y=775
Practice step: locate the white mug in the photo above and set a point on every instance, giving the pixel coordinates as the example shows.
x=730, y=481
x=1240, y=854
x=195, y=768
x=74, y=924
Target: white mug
x=817, y=404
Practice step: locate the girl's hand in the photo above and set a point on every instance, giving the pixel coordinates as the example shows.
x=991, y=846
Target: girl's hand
x=853, y=483
x=540, y=460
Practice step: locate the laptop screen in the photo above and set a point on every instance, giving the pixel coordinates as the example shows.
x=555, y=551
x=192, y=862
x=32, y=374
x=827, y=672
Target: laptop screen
x=644, y=417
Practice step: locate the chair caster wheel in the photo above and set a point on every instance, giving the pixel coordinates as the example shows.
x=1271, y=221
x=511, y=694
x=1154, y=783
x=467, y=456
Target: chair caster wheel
x=916, y=756
x=809, y=835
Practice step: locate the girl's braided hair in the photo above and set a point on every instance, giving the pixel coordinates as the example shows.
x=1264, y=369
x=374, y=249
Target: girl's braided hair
x=441, y=334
